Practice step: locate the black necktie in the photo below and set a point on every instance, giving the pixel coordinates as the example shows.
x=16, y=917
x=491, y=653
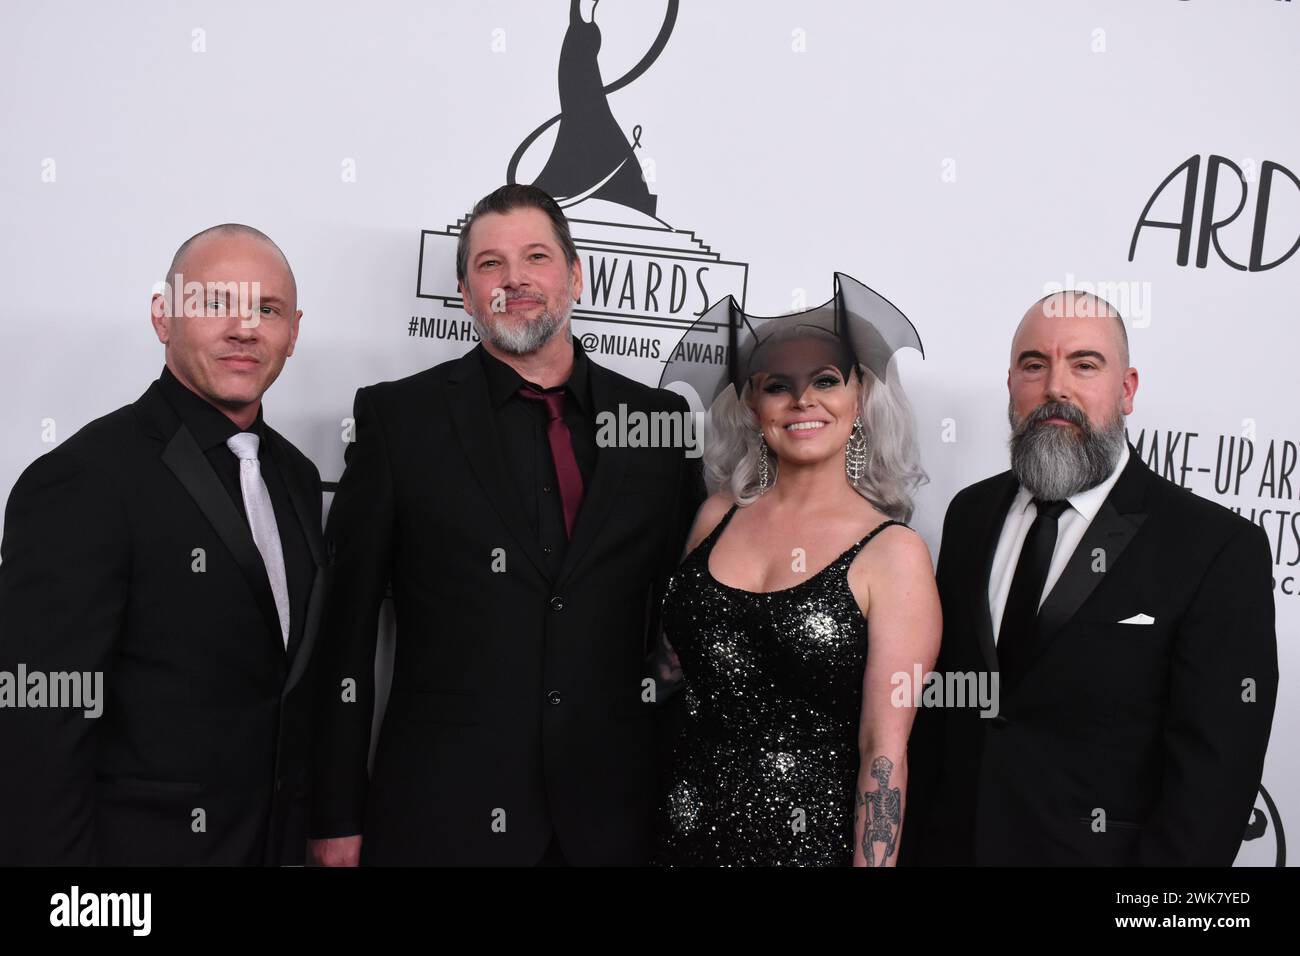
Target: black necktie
x=1020, y=616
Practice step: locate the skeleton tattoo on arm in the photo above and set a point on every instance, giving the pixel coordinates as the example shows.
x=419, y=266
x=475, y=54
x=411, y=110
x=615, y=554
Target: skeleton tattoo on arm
x=883, y=816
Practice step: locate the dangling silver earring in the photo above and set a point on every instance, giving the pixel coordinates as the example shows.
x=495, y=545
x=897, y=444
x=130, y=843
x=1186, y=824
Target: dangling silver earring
x=855, y=453
x=764, y=476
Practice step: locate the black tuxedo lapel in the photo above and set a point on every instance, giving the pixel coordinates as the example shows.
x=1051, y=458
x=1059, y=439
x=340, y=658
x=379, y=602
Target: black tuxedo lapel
x=991, y=533
x=471, y=415
x=187, y=461
x=310, y=626
x=303, y=505
x=611, y=464
x=1110, y=532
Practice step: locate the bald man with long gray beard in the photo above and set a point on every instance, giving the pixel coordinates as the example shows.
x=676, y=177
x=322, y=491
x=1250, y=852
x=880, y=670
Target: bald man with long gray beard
x=1127, y=624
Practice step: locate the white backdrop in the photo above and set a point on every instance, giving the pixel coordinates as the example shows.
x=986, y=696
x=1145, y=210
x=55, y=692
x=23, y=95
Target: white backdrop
x=960, y=158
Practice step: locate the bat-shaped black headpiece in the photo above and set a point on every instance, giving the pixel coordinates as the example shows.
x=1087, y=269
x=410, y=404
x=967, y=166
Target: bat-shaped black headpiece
x=727, y=346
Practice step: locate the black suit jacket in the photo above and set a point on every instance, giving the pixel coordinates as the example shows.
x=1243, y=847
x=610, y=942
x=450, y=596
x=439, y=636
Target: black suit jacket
x=516, y=709
x=202, y=752
x=1144, y=722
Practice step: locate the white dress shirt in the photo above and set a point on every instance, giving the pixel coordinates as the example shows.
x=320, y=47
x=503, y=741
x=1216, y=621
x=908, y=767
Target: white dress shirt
x=1070, y=527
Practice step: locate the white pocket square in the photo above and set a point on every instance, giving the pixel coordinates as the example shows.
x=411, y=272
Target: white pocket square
x=1139, y=619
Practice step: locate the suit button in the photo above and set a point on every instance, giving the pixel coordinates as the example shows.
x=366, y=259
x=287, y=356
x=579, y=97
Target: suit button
x=546, y=488
x=557, y=603
x=999, y=722
x=553, y=697
x=545, y=550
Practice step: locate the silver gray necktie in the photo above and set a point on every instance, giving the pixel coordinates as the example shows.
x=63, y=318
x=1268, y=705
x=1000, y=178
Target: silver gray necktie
x=261, y=519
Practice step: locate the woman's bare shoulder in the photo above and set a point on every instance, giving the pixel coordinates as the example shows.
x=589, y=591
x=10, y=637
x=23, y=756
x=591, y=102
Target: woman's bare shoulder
x=895, y=552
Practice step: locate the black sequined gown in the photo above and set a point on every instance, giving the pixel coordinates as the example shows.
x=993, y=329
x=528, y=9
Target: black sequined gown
x=765, y=770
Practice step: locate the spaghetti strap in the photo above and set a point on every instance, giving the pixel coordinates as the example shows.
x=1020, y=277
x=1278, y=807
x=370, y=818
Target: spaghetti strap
x=721, y=526
x=705, y=547
x=875, y=531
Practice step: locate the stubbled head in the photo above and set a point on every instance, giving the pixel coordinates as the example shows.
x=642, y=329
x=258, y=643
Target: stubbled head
x=1070, y=387
x=228, y=315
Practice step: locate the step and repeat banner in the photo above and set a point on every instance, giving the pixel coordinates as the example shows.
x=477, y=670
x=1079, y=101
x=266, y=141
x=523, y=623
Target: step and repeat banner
x=963, y=159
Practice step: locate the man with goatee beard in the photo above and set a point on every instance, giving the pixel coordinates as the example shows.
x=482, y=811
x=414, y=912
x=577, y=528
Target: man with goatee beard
x=1129, y=625
x=527, y=557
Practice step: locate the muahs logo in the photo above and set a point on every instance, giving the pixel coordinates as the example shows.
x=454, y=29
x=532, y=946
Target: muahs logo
x=639, y=270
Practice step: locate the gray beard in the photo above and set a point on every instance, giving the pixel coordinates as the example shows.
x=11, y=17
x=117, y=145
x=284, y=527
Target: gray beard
x=1052, y=462
x=522, y=338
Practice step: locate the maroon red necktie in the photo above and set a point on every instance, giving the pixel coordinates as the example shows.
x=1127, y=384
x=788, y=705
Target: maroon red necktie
x=567, y=474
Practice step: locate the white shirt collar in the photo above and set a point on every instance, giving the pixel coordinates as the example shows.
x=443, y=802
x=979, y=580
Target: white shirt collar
x=1087, y=503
